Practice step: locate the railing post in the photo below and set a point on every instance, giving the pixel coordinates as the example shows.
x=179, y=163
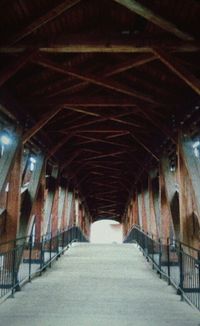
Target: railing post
x=57, y=248
x=181, y=271
x=41, y=255
x=30, y=255
x=146, y=244
x=50, y=247
x=168, y=261
x=160, y=257
x=63, y=241
x=14, y=268
x=152, y=252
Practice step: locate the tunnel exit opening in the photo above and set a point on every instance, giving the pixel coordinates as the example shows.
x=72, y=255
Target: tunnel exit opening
x=106, y=231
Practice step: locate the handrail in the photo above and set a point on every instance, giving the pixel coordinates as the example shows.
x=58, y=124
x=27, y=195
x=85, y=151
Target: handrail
x=151, y=235
x=28, y=257
x=173, y=260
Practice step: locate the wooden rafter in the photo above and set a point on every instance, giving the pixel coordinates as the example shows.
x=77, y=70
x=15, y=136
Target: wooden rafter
x=39, y=125
x=145, y=12
x=98, y=140
x=108, y=117
x=179, y=70
x=141, y=143
x=85, y=101
x=104, y=47
x=60, y=144
x=105, y=83
x=117, y=69
x=14, y=67
x=44, y=19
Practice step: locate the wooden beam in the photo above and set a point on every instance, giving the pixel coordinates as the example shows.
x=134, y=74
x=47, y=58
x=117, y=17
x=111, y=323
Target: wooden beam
x=105, y=155
x=44, y=19
x=145, y=147
x=98, y=140
x=102, y=46
x=179, y=70
x=60, y=144
x=118, y=68
x=39, y=125
x=83, y=101
x=112, y=118
x=14, y=67
x=70, y=160
x=154, y=18
x=105, y=83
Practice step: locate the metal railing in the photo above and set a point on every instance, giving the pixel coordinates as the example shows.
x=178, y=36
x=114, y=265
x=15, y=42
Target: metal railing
x=23, y=258
x=173, y=260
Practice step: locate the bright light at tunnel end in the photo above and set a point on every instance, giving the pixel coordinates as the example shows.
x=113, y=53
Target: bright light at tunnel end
x=106, y=231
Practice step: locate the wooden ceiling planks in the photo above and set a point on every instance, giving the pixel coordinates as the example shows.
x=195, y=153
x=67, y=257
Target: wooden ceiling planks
x=101, y=79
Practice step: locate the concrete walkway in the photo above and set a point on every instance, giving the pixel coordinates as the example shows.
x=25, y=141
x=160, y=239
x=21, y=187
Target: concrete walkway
x=98, y=285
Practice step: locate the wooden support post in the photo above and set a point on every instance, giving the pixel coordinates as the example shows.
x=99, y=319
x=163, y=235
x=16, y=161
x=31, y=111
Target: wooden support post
x=169, y=200
x=165, y=216
x=38, y=209
x=154, y=18
x=7, y=160
x=189, y=178
x=135, y=209
x=144, y=212
x=65, y=210
x=154, y=208
x=28, y=202
x=50, y=201
x=62, y=207
x=146, y=199
x=13, y=199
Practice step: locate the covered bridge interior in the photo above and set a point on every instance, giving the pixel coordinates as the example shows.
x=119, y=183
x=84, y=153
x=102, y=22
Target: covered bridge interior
x=100, y=116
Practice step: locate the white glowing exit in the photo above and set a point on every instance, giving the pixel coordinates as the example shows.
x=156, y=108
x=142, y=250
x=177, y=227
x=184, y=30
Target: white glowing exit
x=106, y=231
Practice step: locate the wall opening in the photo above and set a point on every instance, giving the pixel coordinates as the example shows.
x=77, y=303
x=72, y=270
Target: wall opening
x=106, y=231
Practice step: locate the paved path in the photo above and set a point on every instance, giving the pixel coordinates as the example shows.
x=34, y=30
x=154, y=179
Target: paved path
x=98, y=285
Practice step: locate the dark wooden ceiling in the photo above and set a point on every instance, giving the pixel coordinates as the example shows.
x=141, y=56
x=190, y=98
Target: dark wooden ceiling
x=103, y=83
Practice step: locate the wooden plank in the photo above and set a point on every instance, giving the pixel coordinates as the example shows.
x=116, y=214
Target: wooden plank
x=44, y=19
x=105, y=83
x=154, y=18
x=15, y=66
x=105, y=47
x=191, y=80
x=39, y=125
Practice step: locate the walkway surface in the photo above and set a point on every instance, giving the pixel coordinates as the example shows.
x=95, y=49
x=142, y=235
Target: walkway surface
x=98, y=285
